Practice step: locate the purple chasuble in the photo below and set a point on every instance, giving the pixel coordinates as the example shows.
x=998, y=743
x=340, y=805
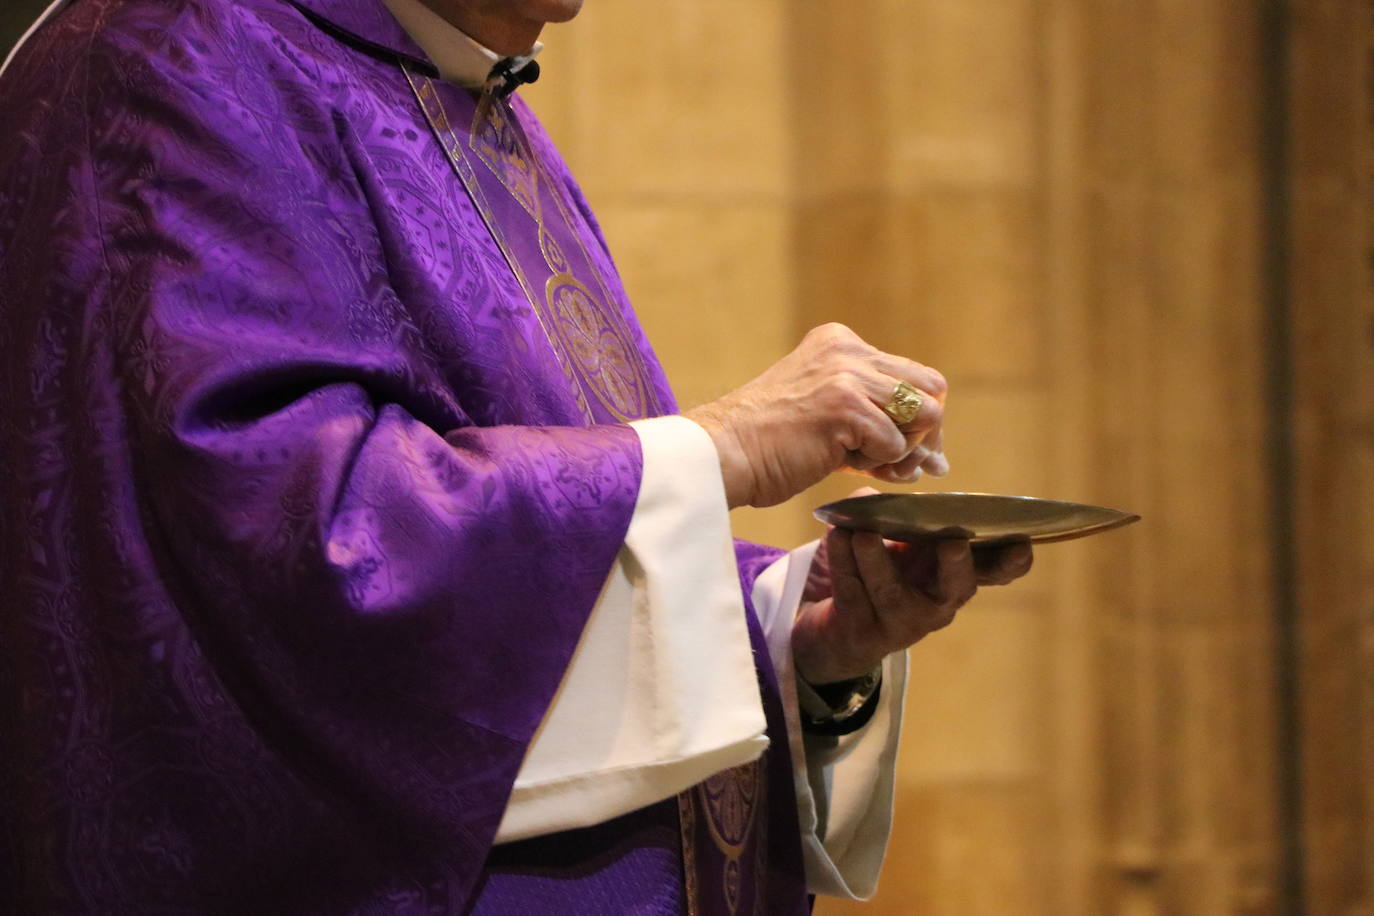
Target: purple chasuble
x=315, y=465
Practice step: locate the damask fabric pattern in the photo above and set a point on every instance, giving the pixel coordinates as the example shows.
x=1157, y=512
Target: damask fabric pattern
x=740, y=828
x=302, y=511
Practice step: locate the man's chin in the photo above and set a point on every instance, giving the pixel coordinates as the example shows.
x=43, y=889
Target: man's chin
x=559, y=10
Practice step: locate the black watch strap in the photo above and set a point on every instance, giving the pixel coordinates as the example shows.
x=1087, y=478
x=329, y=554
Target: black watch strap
x=841, y=708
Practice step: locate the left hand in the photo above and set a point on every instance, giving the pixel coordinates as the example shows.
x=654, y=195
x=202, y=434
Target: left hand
x=866, y=597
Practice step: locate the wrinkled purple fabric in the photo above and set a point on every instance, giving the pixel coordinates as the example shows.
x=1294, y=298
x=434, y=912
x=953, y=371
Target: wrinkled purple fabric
x=301, y=514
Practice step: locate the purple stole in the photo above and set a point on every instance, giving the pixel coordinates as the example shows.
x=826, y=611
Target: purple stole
x=731, y=864
x=740, y=837
x=533, y=222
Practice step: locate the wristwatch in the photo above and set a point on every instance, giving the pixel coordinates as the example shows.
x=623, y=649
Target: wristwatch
x=838, y=708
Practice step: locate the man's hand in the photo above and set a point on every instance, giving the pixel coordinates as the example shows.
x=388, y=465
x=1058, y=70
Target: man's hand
x=818, y=409
x=867, y=597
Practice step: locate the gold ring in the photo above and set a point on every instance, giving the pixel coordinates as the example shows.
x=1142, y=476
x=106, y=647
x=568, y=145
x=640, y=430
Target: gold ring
x=904, y=404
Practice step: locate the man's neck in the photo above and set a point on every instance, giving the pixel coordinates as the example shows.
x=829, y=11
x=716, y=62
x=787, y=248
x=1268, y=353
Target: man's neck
x=490, y=23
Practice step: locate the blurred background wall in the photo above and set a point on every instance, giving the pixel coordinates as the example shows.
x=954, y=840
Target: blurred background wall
x=1138, y=236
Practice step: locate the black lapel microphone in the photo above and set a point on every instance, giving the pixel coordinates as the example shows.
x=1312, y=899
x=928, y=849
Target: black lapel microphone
x=505, y=79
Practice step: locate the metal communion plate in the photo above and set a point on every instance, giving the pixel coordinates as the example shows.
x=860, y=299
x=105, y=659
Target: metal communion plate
x=980, y=517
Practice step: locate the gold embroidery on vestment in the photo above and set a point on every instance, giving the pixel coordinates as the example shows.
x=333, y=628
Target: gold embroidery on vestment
x=687, y=822
x=578, y=315
x=731, y=801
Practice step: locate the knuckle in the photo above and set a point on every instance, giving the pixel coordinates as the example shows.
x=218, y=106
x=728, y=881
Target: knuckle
x=851, y=396
x=890, y=449
x=935, y=410
x=832, y=332
x=939, y=385
x=861, y=462
x=848, y=376
x=935, y=617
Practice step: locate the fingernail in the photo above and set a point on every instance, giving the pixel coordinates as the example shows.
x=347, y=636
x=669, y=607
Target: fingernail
x=937, y=464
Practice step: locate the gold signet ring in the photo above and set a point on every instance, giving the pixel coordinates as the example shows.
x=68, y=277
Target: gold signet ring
x=904, y=404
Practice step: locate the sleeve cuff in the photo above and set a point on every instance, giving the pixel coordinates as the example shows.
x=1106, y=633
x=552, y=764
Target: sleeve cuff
x=661, y=691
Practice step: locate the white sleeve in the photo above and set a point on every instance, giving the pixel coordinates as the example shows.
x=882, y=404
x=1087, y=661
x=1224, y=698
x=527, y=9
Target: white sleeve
x=844, y=801
x=661, y=691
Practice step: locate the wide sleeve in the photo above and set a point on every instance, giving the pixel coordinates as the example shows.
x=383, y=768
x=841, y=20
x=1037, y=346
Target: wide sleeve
x=661, y=693
x=845, y=786
x=391, y=593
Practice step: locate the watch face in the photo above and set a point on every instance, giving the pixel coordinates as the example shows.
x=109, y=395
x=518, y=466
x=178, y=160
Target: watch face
x=979, y=517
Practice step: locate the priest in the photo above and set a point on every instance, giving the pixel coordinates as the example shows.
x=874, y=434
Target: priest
x=355, y=554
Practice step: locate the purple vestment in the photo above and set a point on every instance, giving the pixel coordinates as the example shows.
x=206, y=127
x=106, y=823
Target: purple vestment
x=310, y=480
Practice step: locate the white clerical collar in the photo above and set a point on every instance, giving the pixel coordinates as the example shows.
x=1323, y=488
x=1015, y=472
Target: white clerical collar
x=53, y=9
x=460, y=59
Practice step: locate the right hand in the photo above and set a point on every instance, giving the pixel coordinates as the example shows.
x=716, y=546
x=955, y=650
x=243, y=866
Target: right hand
x=819, y=409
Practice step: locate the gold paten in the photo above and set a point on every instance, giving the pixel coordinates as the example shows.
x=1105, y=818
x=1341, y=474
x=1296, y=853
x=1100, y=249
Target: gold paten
x=979, y=517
